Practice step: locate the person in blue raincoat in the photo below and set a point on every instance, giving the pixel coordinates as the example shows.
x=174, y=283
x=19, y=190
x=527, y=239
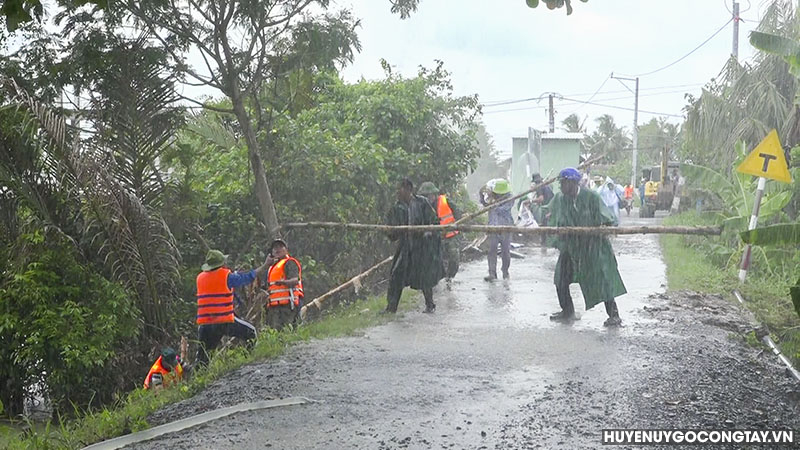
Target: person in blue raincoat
x=585, y=259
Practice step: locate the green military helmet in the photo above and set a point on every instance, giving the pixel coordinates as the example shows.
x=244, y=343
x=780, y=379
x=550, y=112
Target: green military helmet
x=501, y=187
x=427, y=188
x=214, y=260
x=169, y=357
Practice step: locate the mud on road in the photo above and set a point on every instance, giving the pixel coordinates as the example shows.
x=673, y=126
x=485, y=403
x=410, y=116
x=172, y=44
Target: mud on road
x=489, y=370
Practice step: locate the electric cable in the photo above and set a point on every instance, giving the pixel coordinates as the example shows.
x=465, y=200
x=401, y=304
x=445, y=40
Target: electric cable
x=688, y=54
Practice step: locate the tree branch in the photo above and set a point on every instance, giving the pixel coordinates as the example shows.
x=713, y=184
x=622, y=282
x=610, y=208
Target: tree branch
x=206, y=106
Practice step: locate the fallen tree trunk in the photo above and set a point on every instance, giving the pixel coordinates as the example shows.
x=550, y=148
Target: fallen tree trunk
x=701, y=231
x=317, y=302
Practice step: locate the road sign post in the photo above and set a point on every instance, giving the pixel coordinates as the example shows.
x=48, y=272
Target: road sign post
x=765, y=161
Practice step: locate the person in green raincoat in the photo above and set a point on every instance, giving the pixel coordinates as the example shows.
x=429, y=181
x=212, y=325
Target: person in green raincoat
x=587, y=260
x=417, y=261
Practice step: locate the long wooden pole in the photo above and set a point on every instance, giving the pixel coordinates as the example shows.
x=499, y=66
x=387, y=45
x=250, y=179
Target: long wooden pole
x=317, y=302
x=705, y=231
x=356, y=280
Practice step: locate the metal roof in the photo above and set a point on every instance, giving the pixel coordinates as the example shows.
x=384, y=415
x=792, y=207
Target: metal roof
x=573, y=136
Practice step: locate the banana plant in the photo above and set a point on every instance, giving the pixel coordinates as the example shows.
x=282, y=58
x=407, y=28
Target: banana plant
x=737, y=192
x=785, y=47
x=781, y=234
x=737, y=195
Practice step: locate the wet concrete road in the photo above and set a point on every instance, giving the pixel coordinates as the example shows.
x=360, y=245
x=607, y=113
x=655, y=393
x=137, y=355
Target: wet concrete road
x=489, y=370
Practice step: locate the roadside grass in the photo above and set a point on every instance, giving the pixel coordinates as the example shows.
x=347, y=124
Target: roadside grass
x=129, y=414
x=690, y=266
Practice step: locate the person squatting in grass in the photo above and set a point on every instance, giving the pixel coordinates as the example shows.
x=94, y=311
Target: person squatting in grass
x=215, y=316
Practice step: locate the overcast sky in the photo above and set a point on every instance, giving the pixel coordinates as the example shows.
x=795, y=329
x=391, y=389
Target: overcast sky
x=503, y=50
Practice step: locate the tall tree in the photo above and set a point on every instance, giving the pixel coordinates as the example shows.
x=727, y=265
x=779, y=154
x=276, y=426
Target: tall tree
x=238, y=41
x=655, y=136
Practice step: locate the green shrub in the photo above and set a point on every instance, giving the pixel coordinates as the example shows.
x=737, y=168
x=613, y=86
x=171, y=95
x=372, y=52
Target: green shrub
x=61, y=325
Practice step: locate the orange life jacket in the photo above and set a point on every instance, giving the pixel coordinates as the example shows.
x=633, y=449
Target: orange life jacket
x=214, y=297
x=280, y=294
x=445, y=215
x=167, y=376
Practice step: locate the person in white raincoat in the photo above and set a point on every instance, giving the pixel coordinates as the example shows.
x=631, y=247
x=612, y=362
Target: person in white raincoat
x=612, y=195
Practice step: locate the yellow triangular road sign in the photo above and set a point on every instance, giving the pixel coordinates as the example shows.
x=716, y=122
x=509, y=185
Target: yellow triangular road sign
x=767, y=160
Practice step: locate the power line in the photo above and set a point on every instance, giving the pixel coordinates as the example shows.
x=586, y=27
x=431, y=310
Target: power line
x=581, y=102
x=526, y=108
x=623, y=108
x=628, y=97
x=511, y=102
x=686, y=55
x=654, y=88
x=491, y=104
x=595, y=93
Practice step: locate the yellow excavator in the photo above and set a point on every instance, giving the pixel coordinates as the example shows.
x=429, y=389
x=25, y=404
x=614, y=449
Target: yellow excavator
x=659, y=191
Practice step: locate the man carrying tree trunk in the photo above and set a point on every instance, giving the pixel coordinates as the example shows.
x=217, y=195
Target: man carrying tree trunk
x=585, y=259
x=215, y=317
x=417, y=261
x=284, y=287
x=494, y=192
x=448, y=213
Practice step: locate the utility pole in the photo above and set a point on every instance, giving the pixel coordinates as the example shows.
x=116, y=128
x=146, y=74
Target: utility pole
x=635, y=123
x=552, y=115
x=736, y=20
x=636, y=133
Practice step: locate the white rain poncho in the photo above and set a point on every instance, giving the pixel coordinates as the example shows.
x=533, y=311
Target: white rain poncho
x=612, y=196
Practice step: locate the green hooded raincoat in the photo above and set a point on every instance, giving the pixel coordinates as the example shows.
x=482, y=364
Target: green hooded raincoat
x=593, y=261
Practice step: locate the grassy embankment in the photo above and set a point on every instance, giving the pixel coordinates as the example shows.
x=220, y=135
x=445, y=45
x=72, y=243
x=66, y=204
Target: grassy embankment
x=696, y=264
x=131, y=412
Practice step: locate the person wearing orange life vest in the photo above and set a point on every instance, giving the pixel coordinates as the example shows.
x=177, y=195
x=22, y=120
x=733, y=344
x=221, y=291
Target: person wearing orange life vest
x=448, y=213
x=166, y=371
x=628, y=198
x=215, y=317
x=284, y=287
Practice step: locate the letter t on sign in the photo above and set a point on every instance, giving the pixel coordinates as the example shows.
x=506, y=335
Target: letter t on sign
x=767, y=158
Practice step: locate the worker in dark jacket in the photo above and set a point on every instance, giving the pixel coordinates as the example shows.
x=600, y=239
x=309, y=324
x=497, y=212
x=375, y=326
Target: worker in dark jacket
x=417, y=261
x=448, y=213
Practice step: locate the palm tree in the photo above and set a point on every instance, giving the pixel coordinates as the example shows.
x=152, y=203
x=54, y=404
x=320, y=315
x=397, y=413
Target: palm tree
x=746, y=101
x=608, y=139
x=573, y=124
x=103, y=191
